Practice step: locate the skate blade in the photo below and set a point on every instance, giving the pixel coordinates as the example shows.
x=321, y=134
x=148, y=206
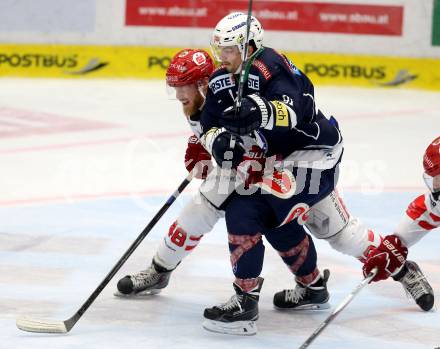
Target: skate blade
x=321, y=306
x=143, y=294
x=237, y=328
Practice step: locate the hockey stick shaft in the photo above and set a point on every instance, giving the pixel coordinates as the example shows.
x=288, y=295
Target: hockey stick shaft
x=338, y=309
x=244, y=60
x=66, y=326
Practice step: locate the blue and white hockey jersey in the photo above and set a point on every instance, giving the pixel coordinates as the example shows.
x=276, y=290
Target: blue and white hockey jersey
x=297, y=124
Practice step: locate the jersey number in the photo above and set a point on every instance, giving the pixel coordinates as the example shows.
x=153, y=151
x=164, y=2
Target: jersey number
x=287, y=100
x=177, y=237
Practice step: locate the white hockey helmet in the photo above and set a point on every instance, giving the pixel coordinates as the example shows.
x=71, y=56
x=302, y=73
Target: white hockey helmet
x=231, y=31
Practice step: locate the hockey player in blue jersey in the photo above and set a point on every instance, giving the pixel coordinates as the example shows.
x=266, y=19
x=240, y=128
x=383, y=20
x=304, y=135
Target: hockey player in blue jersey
x=278, y=113
x=329, y=219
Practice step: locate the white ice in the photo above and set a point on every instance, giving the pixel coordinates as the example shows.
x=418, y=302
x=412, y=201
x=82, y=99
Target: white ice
x=85, y=164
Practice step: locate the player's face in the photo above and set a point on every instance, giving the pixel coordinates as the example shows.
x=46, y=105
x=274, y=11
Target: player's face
x=433, y=183
x=190, y=98
x=230, y=58
x=436, y=183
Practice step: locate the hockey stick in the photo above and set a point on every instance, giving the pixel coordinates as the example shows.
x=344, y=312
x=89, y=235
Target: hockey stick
x=244, y=60
x=338, y=309
x=48, y=326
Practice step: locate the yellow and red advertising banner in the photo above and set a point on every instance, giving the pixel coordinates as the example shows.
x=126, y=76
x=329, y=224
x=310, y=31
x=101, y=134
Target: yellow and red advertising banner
x=65, y=61
x=274, y=15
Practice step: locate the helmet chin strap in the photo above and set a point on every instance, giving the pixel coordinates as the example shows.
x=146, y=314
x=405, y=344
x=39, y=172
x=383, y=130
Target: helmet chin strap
x=249, y=59
x=200, y=88
x=238, y=69
x=429, y=181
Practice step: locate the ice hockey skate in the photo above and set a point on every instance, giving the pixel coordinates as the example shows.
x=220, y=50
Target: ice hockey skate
x=416, y=285
x=311, y=297
x=145, y=283
x=238, y=315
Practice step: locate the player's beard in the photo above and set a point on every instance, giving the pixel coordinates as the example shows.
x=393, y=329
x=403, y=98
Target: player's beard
x=193, y=107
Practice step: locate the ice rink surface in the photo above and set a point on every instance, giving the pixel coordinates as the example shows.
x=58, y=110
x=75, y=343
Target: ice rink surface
x=85, y=164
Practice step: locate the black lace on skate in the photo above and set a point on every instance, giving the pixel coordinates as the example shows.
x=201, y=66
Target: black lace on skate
x=415, y=283
x=233, y=302
x=295, y=295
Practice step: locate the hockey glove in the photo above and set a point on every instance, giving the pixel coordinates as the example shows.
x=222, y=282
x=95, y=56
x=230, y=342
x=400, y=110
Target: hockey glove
x=197, y=156
x=227, y=150
x=254, y=113
x=389, y=257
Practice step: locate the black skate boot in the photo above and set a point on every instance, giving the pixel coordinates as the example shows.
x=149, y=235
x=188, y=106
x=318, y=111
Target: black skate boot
x=312, y=297
x=238, y=315
x=147, y=282
x=416, y=285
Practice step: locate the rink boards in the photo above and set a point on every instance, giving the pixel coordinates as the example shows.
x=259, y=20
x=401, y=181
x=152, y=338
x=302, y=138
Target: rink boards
x=66, y=61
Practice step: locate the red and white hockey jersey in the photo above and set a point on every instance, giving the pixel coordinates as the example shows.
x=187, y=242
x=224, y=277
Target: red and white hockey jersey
x=422, y=215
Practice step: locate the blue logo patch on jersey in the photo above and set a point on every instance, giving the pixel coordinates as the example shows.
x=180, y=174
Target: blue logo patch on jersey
x=221, y=82
x=293, y=67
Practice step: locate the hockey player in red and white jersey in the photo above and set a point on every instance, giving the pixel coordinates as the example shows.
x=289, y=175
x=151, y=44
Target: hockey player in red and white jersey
x=422, y=216
x=188, y=74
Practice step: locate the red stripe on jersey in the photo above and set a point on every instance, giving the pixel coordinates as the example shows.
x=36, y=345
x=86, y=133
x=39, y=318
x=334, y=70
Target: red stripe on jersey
x=427, y=226
x=195, y=238
x=416, y=208
x=434, y=217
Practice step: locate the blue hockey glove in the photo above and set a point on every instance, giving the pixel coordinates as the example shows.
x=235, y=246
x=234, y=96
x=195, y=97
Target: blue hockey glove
x=228, y=149
x=254, y=112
